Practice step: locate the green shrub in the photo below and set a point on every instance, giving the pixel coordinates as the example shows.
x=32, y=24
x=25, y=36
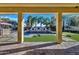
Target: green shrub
x=68, y=35
x=38, y=35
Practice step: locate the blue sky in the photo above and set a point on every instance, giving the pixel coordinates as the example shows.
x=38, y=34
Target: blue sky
x=11, y=16
x=25, y=16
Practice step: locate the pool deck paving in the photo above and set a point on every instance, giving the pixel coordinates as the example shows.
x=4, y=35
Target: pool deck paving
x=39, y=48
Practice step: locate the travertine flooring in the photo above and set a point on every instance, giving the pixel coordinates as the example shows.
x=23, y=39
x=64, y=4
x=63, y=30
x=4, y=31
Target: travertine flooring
x=34, y=48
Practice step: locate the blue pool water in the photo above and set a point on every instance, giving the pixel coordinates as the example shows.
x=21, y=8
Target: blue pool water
x=42, y=32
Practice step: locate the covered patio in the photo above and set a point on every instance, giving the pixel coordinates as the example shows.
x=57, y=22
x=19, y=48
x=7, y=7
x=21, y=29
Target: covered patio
x=60, y=46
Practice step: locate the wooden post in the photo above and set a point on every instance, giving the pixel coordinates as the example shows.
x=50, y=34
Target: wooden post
x=59, y=28
x=20, y=36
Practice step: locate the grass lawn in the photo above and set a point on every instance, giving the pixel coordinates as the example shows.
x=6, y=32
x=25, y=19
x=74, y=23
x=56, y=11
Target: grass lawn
x=41, y=38
x=74, y=36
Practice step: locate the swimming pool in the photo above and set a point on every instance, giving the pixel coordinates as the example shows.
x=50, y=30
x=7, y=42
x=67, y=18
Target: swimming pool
x=39, y=32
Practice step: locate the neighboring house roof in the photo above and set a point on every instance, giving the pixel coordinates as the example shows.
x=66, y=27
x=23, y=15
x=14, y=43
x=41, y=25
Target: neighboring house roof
x=5, y=23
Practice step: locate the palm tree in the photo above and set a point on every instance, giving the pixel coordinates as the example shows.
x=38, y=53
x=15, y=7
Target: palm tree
x=40, y=20
x=34, y=20
x=30, y=20
x=53, y=23
x=72, y=21
x=47, y=22
x=77, y=20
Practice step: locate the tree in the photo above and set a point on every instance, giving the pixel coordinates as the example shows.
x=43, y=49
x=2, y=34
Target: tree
x=40, y=20
x=5, y=19
x=77, y=20
x=53, y=23
x=47, y=22
x=72, y=21
x=30, y=20
x=34, y=20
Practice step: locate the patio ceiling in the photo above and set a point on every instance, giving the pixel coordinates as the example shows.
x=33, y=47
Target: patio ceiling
x=39, y=4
